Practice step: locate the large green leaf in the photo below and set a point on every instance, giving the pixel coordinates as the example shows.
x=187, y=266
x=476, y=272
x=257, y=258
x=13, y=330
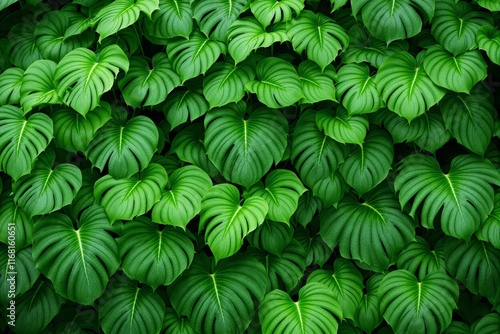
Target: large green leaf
x=316, y=311
x=182, y=105
x=318, y=35
x=82, y=76
x=314, y=154
x=226, y=222
x=413, y=306
x=13, y=220
x=247, y=34
x=174, y=18
x=488, y=39
x=470, y=119
x=215, y=17
x=120, y=14
x=124, y=148
x=369, y=164
x=47, y=189
x=464, y=194
x=22, y=140
x=152, y=256
x=146, y=86
x=270, y=11
x=456, y=73
x=317, y=84
x=372, y=230
x=390, y=20
x=244, y=149
x=219, y=298
x=455, y=25
x=420, y=260
x=281, y=191
x=490, y=228
x=367, y=316
x=357, y=89
x=278, y=83
x=225, y=83
x=195, y=56
x=78, y=260
x=341, y=127
x=345, y=281
x=126, y=307
x=181, y=201
x=38, y=85
x=405, y=86
x=271, y=237
x=131, y=197
x=10, y=91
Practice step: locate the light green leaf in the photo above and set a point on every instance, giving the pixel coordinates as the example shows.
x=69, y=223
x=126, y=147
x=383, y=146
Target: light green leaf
x=82, y=76
x=38, y=85
x=152, y=256
x=226, y=221
x=184, y=104
x=47, y=189
x=123, y=147
x=122, y=13
x=367, y=316
x=281, y=191
x=271, y=237
x=341, y=127
x=243, y=150
x=181, y=201
x=317, y=85
x=271, y=11
x=174, y=18
x=465, y=193
x=7, y=3
x=77, y=259
x=215, y=17
x=488, y=39
x=420, y=260
x=219, y=298
x=194, y=56
x=146, y=86
x=412, y=306
x=458, y=74
x=316, y=311
x=490, y=228
x=369, y=164
x=492, y=5
x=125, y=199
x=10, y=91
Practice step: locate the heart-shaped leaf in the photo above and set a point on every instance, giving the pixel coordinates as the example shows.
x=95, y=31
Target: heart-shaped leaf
x=341, y=127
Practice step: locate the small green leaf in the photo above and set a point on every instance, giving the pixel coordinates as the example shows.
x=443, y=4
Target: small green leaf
x=367, y=316
x=38, y=85
x=271, y=11
x=341, y=127
x=420, y=260
x=174, y=18
x=435, y=134
x=488, y=39
x=271, y=237
x=10, y=91
x=173, y=324
x=13, y=218
x=215, y=17
x=184, y=104
x=490, y=228
x=317, y=85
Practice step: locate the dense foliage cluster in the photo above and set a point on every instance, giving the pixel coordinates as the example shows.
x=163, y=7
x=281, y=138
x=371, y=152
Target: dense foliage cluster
x=248, y=166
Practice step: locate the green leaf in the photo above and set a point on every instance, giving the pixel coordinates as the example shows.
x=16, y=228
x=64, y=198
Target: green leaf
x=331, y=189
x=194, y=56
x=489, y=324
x=146, y=86
x=412, y=306
x=215, y=17
x=23, y=51
x=317, y=251
x=225, y=83
x=174, y=18
x=123, y=147
x=457, y=327
x=401, y=131
x=345, y=281
x=306, y=209
x=270, y=11
x=47, y=189
x=316, y=311
x=10, y=91
x=13, y=219
x=122, y=13
x=125, y=199
x=420, y=260
x=226, y=221
x=319, y=35
x=7, y=3
x=369, y=164
x=455, y=25
x=247, y=34
x=317, y=85
x=314, y=154
x=278, y=85
x=82, y=76
x=36, y=308
x=490, y=228
x=464, y=194
x=243, y=150
x=281, y=191
x=367, y=316
x=341, y=127
x=173, y=324
x=85, y=196
x=38, y=85
x=376, y=219
x=152, y=256
x=488, y=39
x=78, y=261
x=219, y=298
x=476, y=264
x=492, y=5
x=358, y=90
x=184, y=104
x=73, y=132
x=435, y=134
x=127, y=308
x=470, y=119
x=405, y=86
x=51, y=39
x=181, y=201
x=271, y=237
x=458, y=74
x=22, y=140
